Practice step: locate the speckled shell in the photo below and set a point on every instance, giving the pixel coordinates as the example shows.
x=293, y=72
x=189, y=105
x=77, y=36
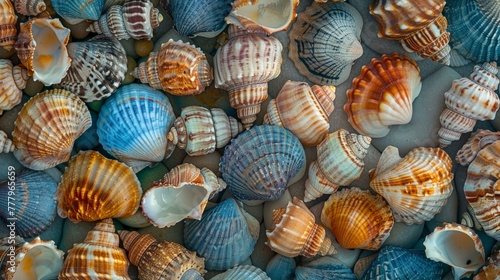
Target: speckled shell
x=8, y=29
x=416, y=186
x=303, y=110
x=97, y=68
x=469, y=100
x=261, y=162
x=382, y=95
x=12, y=81
x=357, y=218
x=46, y=128
x=29, y=7
x=325, y=41
x=324, y=268
x=476, y=142
x=457, y=246
x=75, y=11
x=339, y=163
x=88, y=189
x=225, y=236
x=159, y=260
x=98, y=256
x=244, y=66
x=6, y=145
x=242, y=272
x=133, y=124
x=420, y=27
x=491, y=270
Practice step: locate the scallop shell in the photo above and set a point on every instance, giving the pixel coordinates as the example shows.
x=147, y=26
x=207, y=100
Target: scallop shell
x=325, y=42
x=324, y=268
x=133, y=124
x=457, y=246
x=177, y=68
x=357, y=218
x=6, y=145
x=420, y=27
x=260, y=163
x=75, y=11
x=339, y=163
x=29, y=7
x=476, y=142
x=13, y=81
x=491, y=270
x=8, y=29
x=303, y=110
x=46, y=128
x=280, y=267
x=382, y=95
x=88, y=189
x=242, y=272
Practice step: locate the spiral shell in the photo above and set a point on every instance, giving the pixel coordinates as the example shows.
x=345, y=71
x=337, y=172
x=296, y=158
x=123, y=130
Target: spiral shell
x=12, y=82
x=29, y=7
x=6, y=145
x=476, y=142
x=75, y=11
x=8, y=29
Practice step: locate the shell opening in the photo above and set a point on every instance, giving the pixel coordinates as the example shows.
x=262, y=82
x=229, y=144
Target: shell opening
x=269, y=13
x=40, y=262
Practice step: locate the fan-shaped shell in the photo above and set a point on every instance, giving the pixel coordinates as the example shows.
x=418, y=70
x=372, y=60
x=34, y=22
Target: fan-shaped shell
x=476, y=142
x=88, y=190
x=382, y=95
x=325, y=41
x=8, y=29
x=29, y=7
x=6, y=145
x=280, y=267
x=242, y=272
x=74, y=11
x=47, y=126
x=324, y=268
x=12, y=81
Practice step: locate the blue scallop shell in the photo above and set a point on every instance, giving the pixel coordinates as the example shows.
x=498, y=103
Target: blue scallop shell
x=32, y=203
x=242, y=272
x=78, y=9
x=133, y=124
x=225, y=235
x=324, y=268
x=280, y=267
x=260, y=162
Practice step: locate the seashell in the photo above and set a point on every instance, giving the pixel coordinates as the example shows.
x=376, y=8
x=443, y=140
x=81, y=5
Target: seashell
x=419, y=27
x=199, y=18
x=177, y=68
x=159, y=260
x=491, y=270
x=324, y=268
x=469, y=219
x=46, y=128
x=269, y=16
x=476, y=142
x=457, y=246
x=225, y=236
x=261, y=162
x=243, y=66
x=382, y=95
x=75, y=11
x=181, y=193
x=303, y=110
x=134, y=19
x=29, y=7
x=416, y=186
x=242, y=272
x=8, y=29
x=6, y=145
x=200, y=131
x=88, y=189
x=357, y=218
x=133, y=124
x=97, y=68
x=98, y=256
x=280, y=267
x=474, y=21
x=294, y=232
x=34, y=208
x=339, y=162
x=41, y=47
x=325, y=42
x=482, y=189
x=13, y=81
x=467, y=101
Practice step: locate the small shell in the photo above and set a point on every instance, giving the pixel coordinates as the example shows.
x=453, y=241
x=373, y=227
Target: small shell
x=324, y=268
x=177, y=68
x=242, y=272
x=13, y=81
x=469, y=219
x=29, y=7
x=357, y=218
x=280, y=267
x=88, y=189
x=491, y=270
x=303, y=110
x=476, y=142
x=6, y=145
x=8, y=29
x=382, y=95
x=325, y=42
x=75, y=11
x=47, y=126
x=457, y=246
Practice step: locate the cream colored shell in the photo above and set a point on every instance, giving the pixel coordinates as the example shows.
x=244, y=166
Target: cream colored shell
x=12, y=81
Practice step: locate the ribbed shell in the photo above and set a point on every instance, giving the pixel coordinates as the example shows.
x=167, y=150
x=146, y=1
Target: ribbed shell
x=75, y=11
x=324, y=268
x=242, y=272
x=260, y=163
x=47, y=126
x=382, y=95
x=29, y=7
x=280, y=267
x=6, y=145
x=93, y=188
x=416, y=186
x=492, y=267
x=12, y=81
x=476, y=142
x=8, y=29
x=325, y=42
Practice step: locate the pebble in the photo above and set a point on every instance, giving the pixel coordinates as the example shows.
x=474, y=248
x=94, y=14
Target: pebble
x=174, y=233
x=74, y=233
x=404, y=235
x=210, y=161
x=33, y=87
x=262, y=253
x=143, y=47
x=138, y=220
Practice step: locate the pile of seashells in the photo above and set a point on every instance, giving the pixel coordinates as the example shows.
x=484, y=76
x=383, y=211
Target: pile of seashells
x=263, y=139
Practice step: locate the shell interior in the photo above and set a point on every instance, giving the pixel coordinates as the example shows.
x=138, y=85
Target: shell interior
x=40, y=262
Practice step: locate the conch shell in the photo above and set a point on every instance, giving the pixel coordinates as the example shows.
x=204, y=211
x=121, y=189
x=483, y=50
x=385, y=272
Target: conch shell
x=476, y=142
x=12, y=82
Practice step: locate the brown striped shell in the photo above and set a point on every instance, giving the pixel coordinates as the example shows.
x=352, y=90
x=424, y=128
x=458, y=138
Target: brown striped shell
x=12, y=81
x=476, y=142
x=8, y=29
x=29, y=7
x=6, y=145
x=492, y=267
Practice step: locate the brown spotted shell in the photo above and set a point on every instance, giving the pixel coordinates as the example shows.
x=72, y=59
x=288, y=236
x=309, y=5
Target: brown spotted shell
x=476, y=142
x=29, y=7
x=8, y=29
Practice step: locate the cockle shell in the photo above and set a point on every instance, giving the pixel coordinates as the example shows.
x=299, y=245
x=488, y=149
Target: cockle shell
x=244, y=66
x=8, y=29
x=98, y=256
x=159, y=260
x=324, y=268
x=419, y=27
x=339, y=163
x=6, y=145
x=416, y=186
x=491, y=270
x=294, y=232
x=242, y=272
x=357, y=218
x=177, y=68
x=457, y=246
x=468, y=100
x=476, y=142
x=303, y=110
x=41, y=47
x=182, y=193
x=46, y=128
x=325, y=41
x=88, y=190
x=382, y=95
x=29, y=7
x=13, y=81
x=75, y=11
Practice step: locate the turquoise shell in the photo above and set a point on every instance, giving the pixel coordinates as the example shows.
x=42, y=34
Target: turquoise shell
x=243, y=272
x=78, y=9
x=280, y=267
x=324, y=268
